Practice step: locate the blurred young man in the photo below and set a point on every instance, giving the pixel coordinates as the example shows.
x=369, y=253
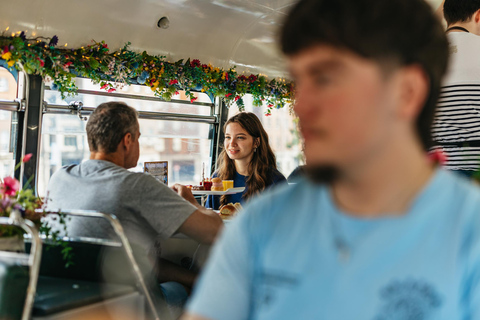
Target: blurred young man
x=456, y=128
x=377, y=231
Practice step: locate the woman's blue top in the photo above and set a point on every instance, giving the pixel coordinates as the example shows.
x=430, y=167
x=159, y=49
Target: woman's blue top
x=213, y=202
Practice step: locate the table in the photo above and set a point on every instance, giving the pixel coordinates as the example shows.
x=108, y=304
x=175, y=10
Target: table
x=205, y=193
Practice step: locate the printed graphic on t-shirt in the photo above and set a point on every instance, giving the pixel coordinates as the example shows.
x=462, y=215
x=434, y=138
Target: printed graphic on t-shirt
x=453, y=49
x=409, y=299
x=272, y=284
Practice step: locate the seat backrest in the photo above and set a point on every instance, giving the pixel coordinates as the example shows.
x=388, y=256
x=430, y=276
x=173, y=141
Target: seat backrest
x=101, y=260
x=89, y=261
x=19, y=273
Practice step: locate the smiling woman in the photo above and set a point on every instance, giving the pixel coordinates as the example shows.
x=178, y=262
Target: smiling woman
x=247, y=159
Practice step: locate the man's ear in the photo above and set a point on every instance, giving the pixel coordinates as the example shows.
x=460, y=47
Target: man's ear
x=127, y=141
x=415, y=89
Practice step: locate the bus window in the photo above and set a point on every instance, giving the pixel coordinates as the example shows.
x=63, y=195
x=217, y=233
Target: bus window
x=8, y=92
x=282, y=134
x=185, y=144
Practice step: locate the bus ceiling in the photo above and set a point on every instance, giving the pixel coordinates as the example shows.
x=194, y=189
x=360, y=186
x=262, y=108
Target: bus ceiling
x=225, y=33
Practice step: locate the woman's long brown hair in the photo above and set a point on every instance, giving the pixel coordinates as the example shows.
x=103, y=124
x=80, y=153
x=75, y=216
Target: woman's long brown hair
x=263, y=161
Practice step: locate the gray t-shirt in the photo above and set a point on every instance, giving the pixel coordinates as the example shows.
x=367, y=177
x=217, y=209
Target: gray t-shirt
x=146, y=208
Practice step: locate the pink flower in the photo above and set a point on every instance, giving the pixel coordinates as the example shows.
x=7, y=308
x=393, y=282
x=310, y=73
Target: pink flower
x=438, y=156
x=237, y=97
x=105, y=86
x=10, y=186
x=193, y=99
x=42, y=63
x=174, y=81
x=27, y=157
x=228, y=95
x=111, y=90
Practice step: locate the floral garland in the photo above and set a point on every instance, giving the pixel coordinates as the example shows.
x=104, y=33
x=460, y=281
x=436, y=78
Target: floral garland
x=112, y=70
x=14, y=197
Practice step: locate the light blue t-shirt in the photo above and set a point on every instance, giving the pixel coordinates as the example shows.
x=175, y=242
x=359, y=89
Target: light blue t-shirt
x=293, y=255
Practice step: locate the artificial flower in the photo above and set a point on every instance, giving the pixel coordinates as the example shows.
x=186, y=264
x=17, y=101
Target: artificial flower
x=53, y=41
x=7, y=55
x=27, y=157
x=195, y=63
x=10, y=186
x=437, y=156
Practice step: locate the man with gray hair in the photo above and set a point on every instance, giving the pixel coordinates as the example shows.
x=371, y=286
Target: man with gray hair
x=146, y=208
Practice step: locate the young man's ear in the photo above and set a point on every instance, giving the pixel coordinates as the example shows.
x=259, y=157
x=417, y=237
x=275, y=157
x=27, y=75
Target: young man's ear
x=476, y=17
x=415, y=89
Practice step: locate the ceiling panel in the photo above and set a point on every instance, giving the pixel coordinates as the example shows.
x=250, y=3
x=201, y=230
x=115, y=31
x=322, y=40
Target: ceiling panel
x=222, y=32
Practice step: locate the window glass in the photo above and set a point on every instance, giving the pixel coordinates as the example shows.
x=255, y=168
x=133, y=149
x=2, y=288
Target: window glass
x=136, y=91
x=185, y=145
x=186, y=151
x=282, y=134
x=8, y=91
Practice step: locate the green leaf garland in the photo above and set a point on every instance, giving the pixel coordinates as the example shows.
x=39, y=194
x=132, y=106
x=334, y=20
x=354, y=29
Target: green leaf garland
x=112, y=70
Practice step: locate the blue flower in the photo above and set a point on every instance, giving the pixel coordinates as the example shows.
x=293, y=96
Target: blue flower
x=145, y=75
x=135, y=65
x=140, y=80
x=53, y=41
x=54, y=86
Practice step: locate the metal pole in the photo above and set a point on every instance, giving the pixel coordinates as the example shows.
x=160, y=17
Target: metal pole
x=33, y=130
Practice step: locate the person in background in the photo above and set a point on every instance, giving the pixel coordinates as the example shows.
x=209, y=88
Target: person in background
x=147, y=209
x=297, y=173
x=456, y=128
x=246, y=158
x=377, y=231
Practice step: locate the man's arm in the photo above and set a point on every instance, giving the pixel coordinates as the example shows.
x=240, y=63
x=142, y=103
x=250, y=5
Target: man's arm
x=203, y=224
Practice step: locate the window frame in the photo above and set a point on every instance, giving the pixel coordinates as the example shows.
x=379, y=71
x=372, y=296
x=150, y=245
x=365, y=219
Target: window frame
x=31, y=107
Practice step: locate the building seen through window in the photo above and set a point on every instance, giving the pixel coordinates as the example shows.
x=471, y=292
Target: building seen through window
x=8, y=91
x=282, y=133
